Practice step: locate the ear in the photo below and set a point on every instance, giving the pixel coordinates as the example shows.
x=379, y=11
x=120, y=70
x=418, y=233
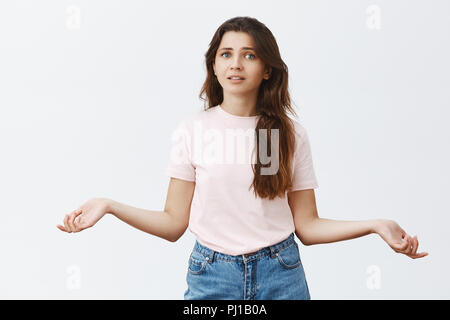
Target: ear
x=267, y=72
x=214, y=67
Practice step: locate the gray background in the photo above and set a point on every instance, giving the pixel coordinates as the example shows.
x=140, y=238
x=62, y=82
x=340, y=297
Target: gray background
x=91, y=91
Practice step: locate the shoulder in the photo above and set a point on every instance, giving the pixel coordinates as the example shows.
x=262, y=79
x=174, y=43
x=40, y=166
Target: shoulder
x=200, y=115
x=299, y=130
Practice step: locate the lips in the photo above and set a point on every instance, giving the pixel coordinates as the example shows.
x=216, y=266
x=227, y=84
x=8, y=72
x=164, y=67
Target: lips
x=236, y=77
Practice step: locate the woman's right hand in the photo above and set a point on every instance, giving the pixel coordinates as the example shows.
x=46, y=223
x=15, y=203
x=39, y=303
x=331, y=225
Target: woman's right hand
x=85, y=216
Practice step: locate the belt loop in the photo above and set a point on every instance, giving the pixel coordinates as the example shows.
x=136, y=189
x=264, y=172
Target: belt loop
x=210, y=257
x=273, y=251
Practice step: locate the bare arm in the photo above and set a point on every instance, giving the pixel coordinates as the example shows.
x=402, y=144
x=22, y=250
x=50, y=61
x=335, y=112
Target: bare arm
x=311, y=229
x=169, y=224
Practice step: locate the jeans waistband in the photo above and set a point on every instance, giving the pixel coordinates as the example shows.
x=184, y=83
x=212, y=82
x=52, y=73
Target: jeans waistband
x=272, y=250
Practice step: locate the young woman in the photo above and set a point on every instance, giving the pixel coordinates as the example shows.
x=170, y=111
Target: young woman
x=244, y=214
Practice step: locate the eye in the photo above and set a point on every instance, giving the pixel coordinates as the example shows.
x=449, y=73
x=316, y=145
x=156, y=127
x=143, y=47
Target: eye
x=251, y=54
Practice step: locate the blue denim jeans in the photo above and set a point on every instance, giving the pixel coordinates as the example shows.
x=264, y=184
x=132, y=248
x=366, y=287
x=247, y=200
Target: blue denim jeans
x=272, y=273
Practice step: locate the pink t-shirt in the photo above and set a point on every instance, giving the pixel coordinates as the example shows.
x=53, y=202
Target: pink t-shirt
x=214, y=148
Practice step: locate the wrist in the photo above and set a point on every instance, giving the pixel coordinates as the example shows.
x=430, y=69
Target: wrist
x=109, y=206
x=374, y=225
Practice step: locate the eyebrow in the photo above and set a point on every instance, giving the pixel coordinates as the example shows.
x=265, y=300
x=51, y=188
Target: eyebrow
x=243, y=48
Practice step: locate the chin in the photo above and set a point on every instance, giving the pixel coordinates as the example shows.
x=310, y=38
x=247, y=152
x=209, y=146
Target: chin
x=238, y=88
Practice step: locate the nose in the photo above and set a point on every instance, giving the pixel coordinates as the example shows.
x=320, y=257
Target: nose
x=236, y=63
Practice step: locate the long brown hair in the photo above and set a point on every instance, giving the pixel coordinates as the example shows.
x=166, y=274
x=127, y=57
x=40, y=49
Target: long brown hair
x=273, y=103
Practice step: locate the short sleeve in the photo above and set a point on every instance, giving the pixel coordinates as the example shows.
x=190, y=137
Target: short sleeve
x=303, y=169
x=180, y=164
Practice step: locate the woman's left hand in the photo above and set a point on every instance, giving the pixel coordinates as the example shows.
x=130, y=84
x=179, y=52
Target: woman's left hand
x=398, y=239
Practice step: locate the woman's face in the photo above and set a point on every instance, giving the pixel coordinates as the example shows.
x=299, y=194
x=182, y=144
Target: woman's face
x=234, y=57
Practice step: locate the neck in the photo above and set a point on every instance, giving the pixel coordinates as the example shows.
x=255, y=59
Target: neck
x=238, y=106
